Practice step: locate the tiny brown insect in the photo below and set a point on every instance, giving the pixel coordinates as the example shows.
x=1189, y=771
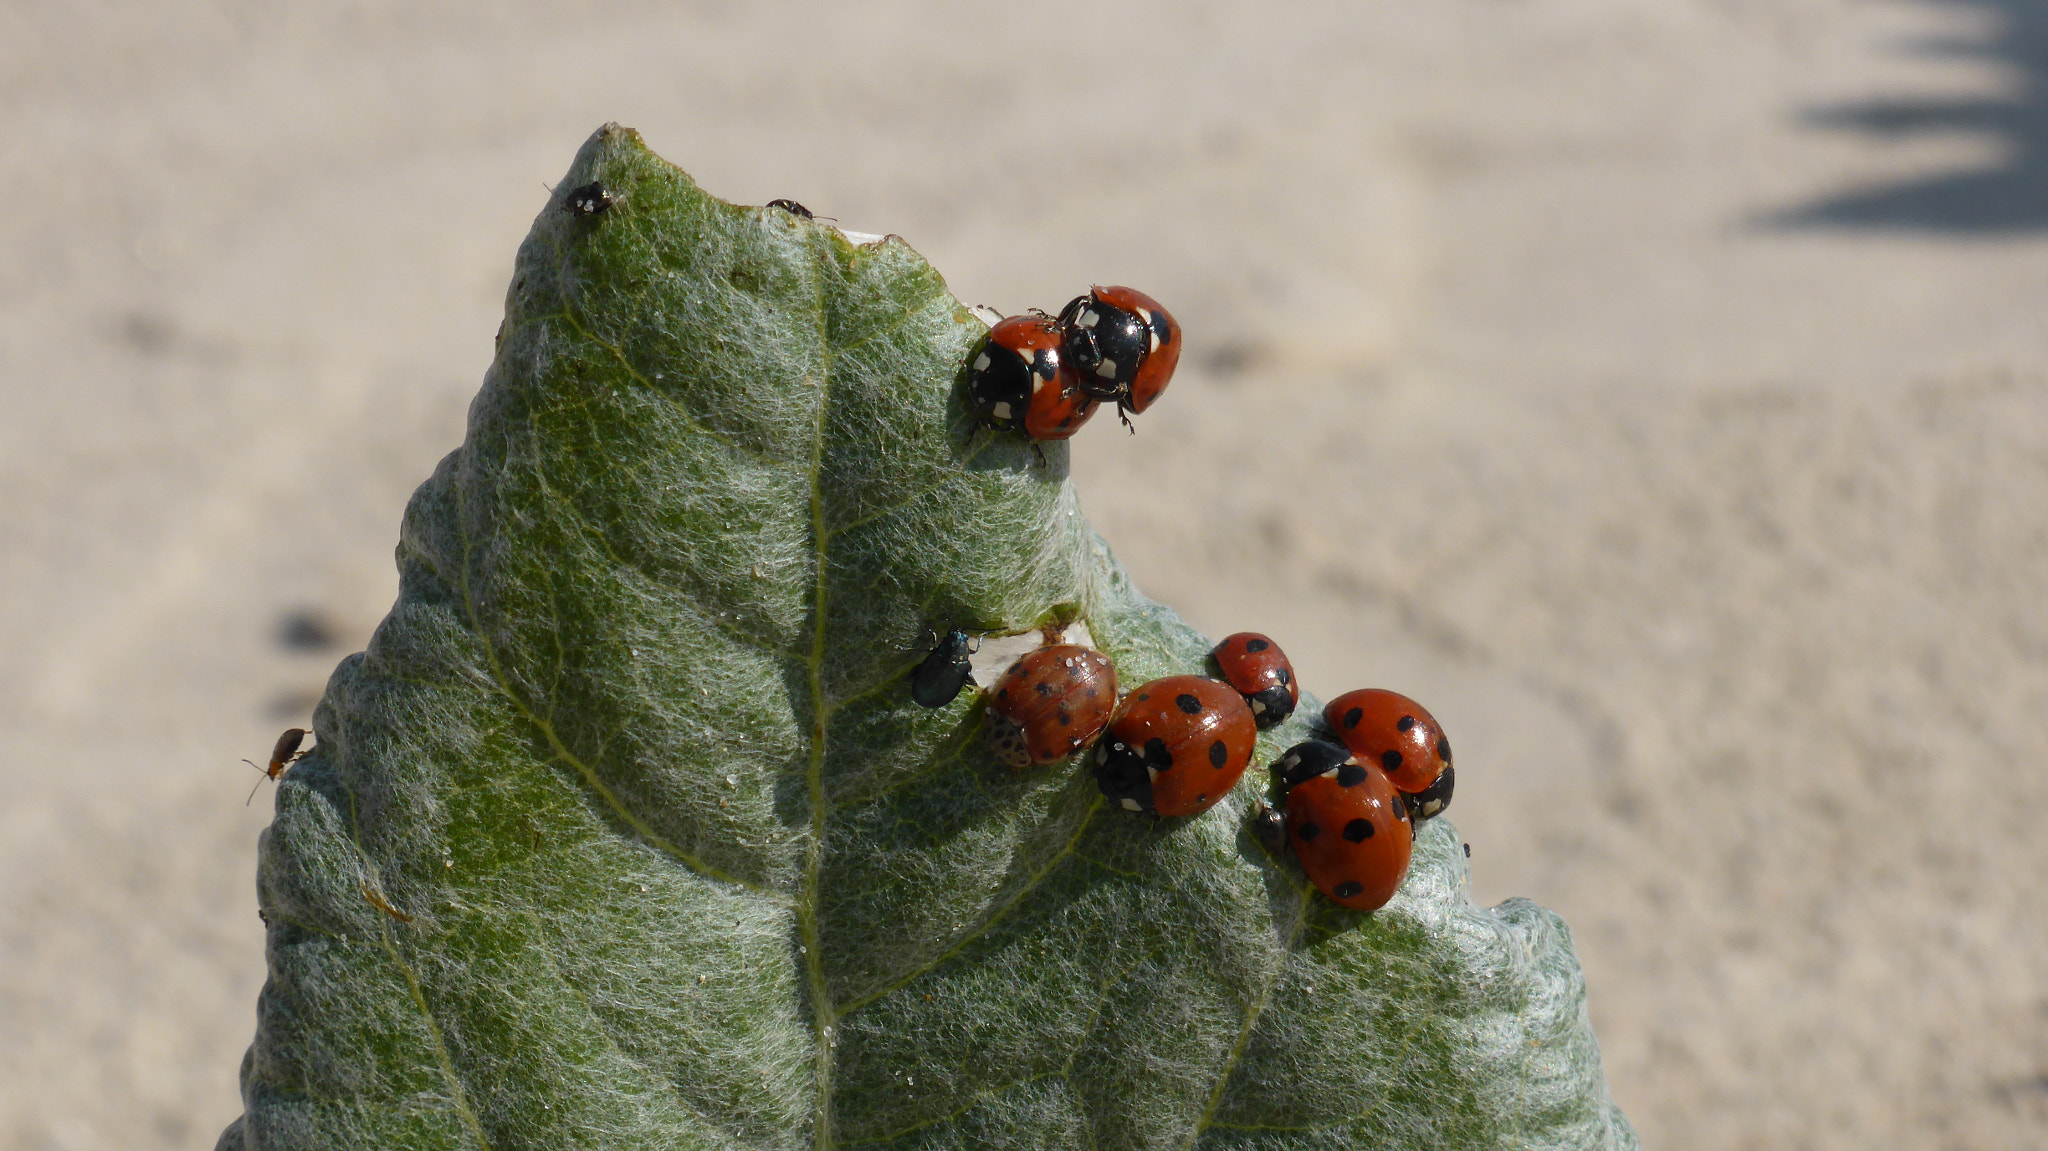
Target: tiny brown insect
x=283, y=755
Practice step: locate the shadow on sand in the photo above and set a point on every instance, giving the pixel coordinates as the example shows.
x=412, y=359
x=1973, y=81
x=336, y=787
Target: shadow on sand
x=2010, y=196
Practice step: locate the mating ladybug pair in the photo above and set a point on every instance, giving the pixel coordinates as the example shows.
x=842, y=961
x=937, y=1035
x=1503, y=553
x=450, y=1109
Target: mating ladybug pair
x=1046, y=375
x=1352, y=808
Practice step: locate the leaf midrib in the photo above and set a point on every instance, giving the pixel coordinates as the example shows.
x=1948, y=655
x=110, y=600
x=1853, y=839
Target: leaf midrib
x=823, y=1017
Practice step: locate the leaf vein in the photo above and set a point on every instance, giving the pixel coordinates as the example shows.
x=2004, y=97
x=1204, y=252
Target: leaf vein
x=503, y=684
x=1064, y=1071
x=921, y=492
x=988, y=924
x=822, y=1015
x=447, y=1063
x=1251, y=1018
x=619, y=354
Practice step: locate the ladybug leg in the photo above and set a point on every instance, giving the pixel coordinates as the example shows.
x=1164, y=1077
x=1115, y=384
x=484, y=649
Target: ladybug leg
x=1124, y=414
x=1038, y=450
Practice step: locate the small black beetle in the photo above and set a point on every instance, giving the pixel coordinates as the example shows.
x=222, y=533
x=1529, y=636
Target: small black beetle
x=944, y=672
x=1270, y=827
x=588, y=200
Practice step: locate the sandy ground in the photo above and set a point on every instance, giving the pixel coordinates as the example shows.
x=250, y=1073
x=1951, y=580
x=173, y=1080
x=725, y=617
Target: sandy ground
x=1657, y=390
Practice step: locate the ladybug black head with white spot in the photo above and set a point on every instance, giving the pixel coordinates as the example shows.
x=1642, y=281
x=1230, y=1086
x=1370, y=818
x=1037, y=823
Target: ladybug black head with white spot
x=1305, y=761
x=1121, y=346
x=1431, y=801
x=1270, y=827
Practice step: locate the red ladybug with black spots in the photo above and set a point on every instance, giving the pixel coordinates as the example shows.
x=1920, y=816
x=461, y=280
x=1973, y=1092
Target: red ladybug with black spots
x=1260, y=671
x=1050, y=704
x=1389, y=729
x=1121, y=346
x=1175, y=746
x=1019, y=380
x=1348, y=826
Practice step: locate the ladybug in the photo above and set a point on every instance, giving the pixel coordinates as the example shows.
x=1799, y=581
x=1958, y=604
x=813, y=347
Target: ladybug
x=1176, y=746
x=1050, y=704
x=1431, y=801
x=1017, y=380
x=1259, y=670
x=588, y=200
x=1121, y=345
x=943, y=672
x=282, y=755
x=1393, y=731
x=1347, y=825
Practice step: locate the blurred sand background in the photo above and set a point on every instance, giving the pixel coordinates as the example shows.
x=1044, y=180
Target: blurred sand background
x=1659, y=391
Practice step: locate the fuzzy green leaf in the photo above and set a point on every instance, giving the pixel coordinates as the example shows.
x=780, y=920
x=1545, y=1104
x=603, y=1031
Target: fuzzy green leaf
x=624, y=831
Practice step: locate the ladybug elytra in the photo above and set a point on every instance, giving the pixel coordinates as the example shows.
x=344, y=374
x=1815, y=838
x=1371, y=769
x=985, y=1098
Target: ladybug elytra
x=1396, y=733
x=1050, y=704
x=1175, y=746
